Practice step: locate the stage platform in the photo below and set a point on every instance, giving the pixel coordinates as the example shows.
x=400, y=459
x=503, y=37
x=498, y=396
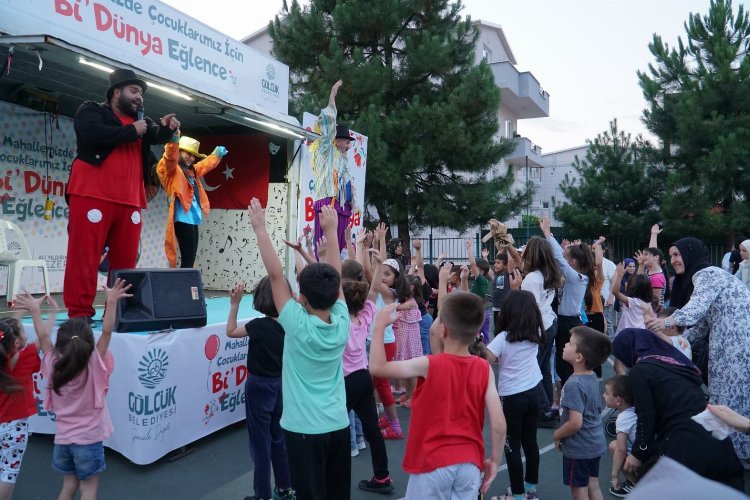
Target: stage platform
x=169, y=388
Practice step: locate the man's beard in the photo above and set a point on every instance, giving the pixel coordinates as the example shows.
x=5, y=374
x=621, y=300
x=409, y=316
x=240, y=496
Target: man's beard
x=125, y=106
x=181, y=162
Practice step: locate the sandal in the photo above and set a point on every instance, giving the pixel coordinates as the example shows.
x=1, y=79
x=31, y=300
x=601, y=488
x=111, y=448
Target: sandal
x=390, y=433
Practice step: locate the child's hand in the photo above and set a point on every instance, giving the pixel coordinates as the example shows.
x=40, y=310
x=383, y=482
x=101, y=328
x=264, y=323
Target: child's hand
x=464, y=272
x=118, y=291
x=257, y=215
x=368, y=239
x=329, y=221
x=296, y=246
x=485, y=253
x=490, y=472
x=386, y=315
x=515, y=280
x=545, y=225
x=631, y=464
x=361, y=238
x=619, y=271
x=639, y=257
x=557, y=443
x=655, y=229
x=380, y=230
x=445, y=271
x=376, y=257
x=417, y=245
x=53, y=305
x=235, y=294
x=322, y=248
x=26, y=301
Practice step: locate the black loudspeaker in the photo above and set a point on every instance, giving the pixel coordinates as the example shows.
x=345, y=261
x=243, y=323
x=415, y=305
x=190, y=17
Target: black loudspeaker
x=162, y=299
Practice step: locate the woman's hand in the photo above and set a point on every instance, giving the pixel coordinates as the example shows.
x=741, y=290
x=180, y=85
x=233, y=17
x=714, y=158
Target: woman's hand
x=730, y=417
x=515, y=280
x=631, y=465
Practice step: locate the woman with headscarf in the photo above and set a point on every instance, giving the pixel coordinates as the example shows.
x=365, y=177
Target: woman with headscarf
x=666, y=394
x=715, y=308
x=743, y=273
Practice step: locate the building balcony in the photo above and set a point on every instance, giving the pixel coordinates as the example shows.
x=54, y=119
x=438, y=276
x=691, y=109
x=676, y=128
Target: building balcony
x=520, y=92
x=525, y=148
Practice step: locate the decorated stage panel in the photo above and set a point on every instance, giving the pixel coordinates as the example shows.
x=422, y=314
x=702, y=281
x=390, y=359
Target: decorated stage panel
x=172, y=388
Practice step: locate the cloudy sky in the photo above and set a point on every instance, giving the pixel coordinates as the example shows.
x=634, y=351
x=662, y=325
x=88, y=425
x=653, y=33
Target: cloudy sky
x=585, y=53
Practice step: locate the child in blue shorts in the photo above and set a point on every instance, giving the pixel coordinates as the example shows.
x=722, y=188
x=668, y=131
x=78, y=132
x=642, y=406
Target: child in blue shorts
x=580, y=436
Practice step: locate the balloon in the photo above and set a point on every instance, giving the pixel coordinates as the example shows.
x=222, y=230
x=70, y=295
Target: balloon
x=212, y=347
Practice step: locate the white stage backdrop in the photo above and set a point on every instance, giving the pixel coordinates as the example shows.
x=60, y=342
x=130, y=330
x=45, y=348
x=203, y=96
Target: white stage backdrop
x=167, y=390
x=35, y=161
x=357, y=166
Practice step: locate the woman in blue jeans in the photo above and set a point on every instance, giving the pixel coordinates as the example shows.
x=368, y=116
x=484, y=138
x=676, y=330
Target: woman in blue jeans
x=263, y=404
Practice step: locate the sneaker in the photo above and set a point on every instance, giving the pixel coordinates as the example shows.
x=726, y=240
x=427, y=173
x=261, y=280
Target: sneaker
x=287, y=494
x=361, y=444
x=380, y=408
x=397, y=392
x=383, y=422
x=384, y=486
x=531, y=495
x=355, y=451
x=622, y=491
x=390, y=433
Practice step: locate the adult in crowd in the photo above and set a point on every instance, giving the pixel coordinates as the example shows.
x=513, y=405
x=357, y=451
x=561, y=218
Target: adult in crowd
x=188, y=202
x=743, y=271
x=396, y=251
x=715, y=308
x=667, y=394
x=608, y=298
x=106, y=191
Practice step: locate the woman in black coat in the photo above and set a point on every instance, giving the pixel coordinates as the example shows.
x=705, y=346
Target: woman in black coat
x=666, y=394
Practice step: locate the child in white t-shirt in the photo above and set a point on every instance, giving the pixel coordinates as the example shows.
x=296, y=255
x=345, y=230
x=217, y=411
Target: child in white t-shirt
x=518, y=335
x=679, y=341
x=617, y=394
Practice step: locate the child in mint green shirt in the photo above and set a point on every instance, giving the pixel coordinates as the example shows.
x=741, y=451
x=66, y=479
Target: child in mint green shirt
x=317, y=328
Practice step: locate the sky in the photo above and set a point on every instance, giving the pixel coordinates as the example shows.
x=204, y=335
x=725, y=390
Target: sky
x=585, y=53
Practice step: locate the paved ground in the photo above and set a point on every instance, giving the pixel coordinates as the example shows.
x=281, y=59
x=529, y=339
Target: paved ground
x=219, y=468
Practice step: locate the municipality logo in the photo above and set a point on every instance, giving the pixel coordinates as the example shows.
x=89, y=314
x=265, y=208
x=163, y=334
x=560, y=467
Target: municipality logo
x=152, y=368
x=271, y=72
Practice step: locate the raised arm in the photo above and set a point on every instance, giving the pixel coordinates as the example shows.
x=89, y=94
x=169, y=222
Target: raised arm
x=279, y=287
x=118, y=291
x=34, y=306
x=235, y=297
x=472, y=260
x=377, y=275
x=599, y=258
x=464, y=278
x=655, y=230
x=351, y=251
x=619, y=273
x=329, y=222
x=334, y=91
x=379, y=366
x=515, y=257
x=418, y=260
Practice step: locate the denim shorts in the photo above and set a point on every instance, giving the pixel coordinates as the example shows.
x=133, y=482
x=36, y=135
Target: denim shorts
x=83, y=460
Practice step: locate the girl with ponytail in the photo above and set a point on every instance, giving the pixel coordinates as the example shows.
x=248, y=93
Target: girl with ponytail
x=77, y=370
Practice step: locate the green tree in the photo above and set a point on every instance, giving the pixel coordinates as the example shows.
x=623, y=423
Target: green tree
x=698, y=96
x=614, y=193
x=411, y=86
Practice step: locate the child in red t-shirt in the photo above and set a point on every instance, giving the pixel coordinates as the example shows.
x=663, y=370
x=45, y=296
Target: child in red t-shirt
x=445, y=446
x=19, y=360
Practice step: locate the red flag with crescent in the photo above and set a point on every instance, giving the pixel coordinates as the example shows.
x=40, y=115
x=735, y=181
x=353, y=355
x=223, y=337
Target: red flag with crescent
x=243, y=173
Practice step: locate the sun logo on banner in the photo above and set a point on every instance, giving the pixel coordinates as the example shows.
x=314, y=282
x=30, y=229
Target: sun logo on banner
x=152, y=368
x=270, y=72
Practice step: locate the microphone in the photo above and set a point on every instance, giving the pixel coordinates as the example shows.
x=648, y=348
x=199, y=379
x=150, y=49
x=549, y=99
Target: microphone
x=139, y=116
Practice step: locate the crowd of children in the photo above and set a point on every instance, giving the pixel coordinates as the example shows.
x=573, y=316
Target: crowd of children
x=315, y=397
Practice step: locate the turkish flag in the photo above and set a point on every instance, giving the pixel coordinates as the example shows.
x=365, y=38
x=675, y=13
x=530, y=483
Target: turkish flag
x=243, y=173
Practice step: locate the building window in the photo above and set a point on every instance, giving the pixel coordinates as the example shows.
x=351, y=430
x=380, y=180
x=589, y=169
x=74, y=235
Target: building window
x=535, y=173
x=508, y=129
x=545, y=204
x=486, y=53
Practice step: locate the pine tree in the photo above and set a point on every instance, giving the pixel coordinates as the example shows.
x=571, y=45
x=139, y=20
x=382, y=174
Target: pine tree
x=411, y=86
x=615, y=193
x=698, y=96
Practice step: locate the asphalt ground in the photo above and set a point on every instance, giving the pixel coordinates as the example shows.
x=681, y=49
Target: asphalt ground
x=218, y=467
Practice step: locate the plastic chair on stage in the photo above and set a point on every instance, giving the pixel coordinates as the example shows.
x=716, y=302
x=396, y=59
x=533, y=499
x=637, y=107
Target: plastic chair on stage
x=15, y=256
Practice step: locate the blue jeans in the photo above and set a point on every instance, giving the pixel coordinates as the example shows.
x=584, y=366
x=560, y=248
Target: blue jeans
x=424, y=331
x=355, y=430
x=267, y=444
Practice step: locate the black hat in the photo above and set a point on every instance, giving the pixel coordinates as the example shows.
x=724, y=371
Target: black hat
x=342, y=132
x=121, y=77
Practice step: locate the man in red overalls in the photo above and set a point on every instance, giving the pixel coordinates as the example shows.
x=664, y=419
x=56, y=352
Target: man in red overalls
x=106, y=188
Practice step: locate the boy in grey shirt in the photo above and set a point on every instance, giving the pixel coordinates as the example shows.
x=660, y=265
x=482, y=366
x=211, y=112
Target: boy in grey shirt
x=580, y=436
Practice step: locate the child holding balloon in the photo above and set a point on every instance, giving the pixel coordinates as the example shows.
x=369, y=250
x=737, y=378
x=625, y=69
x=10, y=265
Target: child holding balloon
x=263, y=404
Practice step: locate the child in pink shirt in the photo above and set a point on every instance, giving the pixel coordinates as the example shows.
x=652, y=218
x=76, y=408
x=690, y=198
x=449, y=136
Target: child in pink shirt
x=77, y=373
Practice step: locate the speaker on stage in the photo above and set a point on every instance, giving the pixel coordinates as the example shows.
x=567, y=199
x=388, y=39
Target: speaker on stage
x=162, y=299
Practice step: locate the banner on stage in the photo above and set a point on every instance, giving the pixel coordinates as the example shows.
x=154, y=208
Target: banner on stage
x=167, y=390
x=357, y=157
x=158, y=39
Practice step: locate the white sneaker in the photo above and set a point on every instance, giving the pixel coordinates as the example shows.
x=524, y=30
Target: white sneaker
x=361, y=444
x=355, y=452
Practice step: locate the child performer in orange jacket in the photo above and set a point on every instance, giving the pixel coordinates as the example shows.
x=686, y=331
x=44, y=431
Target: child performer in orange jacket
x=183, y=184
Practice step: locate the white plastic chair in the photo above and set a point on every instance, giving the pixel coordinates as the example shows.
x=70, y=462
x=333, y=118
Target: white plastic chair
x=15, y=256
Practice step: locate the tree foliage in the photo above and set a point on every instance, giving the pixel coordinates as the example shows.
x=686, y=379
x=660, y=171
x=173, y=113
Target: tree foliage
x=410, y=85
x=614, y=193
x=698, y=96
